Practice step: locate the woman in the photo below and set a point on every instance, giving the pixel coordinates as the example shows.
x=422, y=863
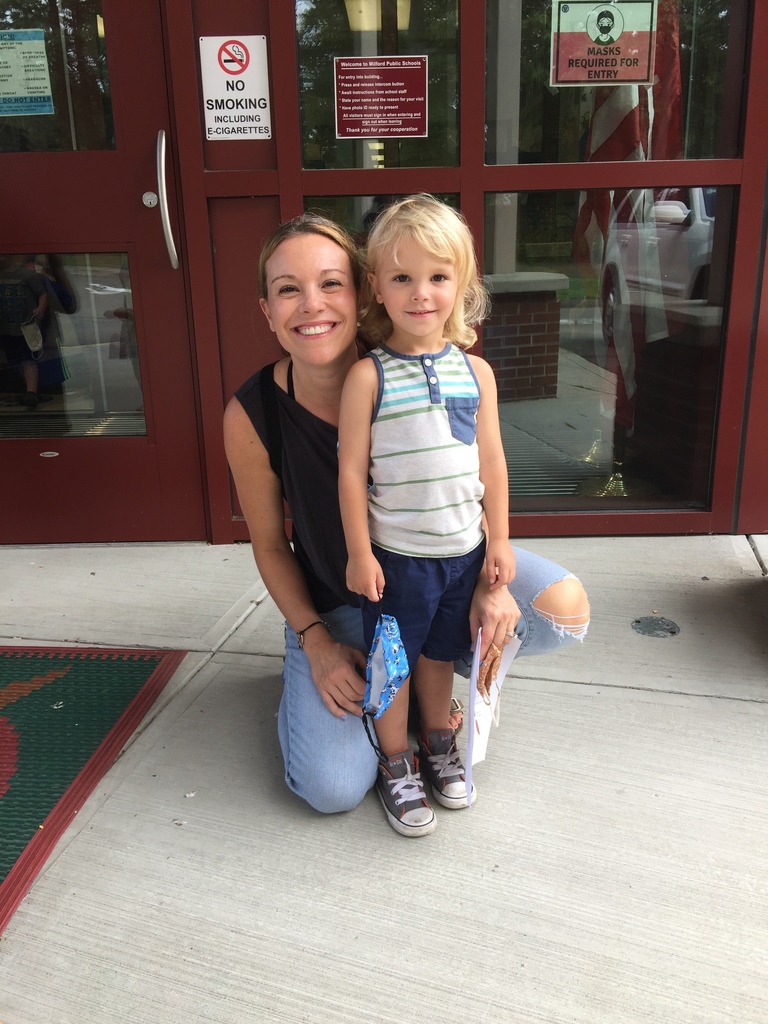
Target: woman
x=310, y=281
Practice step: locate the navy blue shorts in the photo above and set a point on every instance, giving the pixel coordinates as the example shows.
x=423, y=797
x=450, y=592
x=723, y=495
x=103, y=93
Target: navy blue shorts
x=430, y=598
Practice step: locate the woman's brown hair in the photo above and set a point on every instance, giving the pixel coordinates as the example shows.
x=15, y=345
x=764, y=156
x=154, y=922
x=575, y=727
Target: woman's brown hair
x=310, y=224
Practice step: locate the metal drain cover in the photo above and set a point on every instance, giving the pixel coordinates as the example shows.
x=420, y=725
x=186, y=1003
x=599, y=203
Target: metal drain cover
x=655, y=625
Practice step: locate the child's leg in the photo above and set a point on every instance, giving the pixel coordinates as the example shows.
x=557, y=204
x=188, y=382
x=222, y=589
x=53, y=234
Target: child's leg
x=30, y=374
x=439, y=760
x=433, y=684
x=398, y=782
x=392, y=727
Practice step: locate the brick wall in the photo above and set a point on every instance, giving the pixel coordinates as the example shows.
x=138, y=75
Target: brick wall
x=677, y=389
x=521, y=341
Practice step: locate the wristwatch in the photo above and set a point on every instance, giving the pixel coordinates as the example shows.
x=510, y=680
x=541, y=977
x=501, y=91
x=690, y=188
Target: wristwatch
x=300, y=632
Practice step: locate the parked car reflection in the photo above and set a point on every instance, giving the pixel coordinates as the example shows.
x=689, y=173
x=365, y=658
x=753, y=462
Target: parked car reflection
x=654, y=280
x=659, y=243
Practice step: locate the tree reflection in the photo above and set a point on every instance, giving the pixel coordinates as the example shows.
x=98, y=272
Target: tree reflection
x=553, y=122
x=77, y=66
x=323, y=33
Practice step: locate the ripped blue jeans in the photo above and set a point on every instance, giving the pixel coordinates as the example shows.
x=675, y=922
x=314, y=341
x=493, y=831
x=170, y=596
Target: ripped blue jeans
x=329, y=761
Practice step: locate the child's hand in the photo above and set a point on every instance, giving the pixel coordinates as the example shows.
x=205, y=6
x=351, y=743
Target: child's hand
x=499, y=564
x=364, y=576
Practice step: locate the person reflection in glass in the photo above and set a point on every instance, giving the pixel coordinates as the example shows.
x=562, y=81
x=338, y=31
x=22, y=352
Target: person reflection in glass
x=128, y=345
x=52, y=369
x=23, y=300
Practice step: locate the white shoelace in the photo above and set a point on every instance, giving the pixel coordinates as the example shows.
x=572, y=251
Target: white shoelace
x=410, y=787
x=446, y=764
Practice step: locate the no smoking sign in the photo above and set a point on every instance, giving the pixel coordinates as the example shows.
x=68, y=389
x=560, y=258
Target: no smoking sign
x=234, y=57
x=235, y=87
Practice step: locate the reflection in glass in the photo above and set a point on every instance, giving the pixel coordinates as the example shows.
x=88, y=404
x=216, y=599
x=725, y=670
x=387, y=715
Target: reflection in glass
x=83, y=378
x=687, y=113
x=53, y=61
x=606, y=338
x=358, y=213
x=369, y=28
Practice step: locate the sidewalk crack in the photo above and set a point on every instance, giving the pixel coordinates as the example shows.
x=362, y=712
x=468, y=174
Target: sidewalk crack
x=649, y=690
x=752, y=543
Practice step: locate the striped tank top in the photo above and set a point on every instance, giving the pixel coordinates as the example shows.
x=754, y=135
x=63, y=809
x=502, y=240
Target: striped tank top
x=425, y=499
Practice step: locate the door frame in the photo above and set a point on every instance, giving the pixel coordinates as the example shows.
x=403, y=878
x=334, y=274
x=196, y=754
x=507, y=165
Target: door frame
x=753, y=505
x=471, y=179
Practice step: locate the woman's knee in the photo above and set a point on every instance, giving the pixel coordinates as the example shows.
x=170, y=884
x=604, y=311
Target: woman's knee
x=565, y=606
x=330, y=795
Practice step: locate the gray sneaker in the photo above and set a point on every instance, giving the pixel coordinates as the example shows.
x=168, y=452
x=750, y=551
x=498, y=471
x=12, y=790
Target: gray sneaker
x=401, y=792
x=443, y=768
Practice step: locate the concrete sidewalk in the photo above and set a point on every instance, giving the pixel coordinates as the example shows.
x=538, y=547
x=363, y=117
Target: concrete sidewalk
x=613, y=871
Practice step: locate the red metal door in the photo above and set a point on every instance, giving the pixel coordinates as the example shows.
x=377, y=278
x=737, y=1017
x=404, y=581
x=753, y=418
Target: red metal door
x=99, y=441
x=753, y=509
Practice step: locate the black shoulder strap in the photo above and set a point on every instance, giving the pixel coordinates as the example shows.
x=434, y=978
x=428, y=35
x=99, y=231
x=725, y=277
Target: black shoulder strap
x=272, y=420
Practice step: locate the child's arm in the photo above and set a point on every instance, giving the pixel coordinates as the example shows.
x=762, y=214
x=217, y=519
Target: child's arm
x=364, y=575
x=499, y=557
x=41, y=296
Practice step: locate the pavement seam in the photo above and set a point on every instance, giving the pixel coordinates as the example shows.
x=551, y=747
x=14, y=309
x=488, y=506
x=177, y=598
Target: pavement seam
x=646, y=689
x=756, y=550
x=253, y=605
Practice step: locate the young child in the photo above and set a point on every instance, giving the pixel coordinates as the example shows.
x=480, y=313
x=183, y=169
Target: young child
x=423, y=484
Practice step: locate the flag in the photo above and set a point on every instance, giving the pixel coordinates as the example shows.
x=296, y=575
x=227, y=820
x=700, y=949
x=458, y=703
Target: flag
x=631, y=122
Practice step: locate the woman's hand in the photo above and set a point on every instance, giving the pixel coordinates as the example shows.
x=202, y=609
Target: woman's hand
x=334, y=666
x=338, y=672
x=495, y=611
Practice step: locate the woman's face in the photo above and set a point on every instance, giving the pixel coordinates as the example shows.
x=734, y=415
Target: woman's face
x=312, y=302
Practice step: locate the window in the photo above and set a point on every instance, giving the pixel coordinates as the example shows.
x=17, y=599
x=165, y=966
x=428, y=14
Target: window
x=376, y=28
x=607, y=348
x=687, y=114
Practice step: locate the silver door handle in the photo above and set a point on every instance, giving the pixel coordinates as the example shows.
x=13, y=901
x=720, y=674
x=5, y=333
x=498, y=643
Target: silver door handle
x=162, y=196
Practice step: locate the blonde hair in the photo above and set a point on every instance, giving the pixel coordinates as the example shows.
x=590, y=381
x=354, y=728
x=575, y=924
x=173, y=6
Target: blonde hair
x=443, y=233
x=310, y=224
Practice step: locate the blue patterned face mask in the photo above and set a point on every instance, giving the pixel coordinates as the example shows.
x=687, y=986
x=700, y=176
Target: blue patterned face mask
x=385, y=672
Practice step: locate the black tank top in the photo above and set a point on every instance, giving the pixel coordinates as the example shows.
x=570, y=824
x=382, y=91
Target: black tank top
x=310, y=475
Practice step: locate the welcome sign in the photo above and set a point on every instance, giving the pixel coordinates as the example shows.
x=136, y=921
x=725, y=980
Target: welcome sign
x=611, y=43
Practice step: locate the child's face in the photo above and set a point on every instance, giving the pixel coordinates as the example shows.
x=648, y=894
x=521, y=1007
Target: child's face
x=419, y=293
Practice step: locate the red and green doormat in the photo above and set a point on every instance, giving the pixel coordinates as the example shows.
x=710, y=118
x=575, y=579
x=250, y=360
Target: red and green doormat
x=65, y=715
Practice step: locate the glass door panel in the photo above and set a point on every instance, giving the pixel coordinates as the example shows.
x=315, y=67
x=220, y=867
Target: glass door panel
x=358, y=213
x=361, y=29
x=54, y=80
x=85, y=379
x=607, y=348
x=688, y=113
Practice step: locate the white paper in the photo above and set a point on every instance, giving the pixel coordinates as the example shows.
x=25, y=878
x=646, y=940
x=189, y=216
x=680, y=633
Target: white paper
x=235, y=81
x=25, y=81
x=481, y=715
